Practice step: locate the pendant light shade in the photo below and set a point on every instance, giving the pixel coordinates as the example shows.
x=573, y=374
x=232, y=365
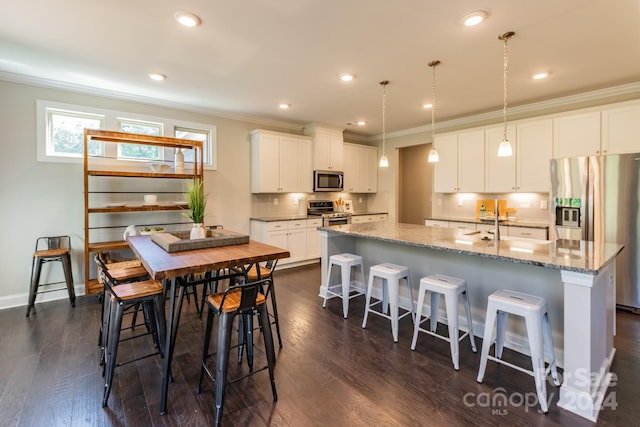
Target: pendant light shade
x=384, y=161
x=433, y=153
x=505, y=150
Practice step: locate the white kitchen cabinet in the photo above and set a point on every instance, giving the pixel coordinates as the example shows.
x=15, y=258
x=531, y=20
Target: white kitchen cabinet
x=314, y=247
x=501, y=171
x=528, y=169
x=471, y=161
x=359, y=219
x=328, y=146
x=462, y=226
x=461, y=165
x=290, y=235
x=280, y=163
x=436, y=223
x=577, y=135
x=350, y=169
x=490, y=226
x=534, y=150
x=620, y=129
x=360, y=169
x=528, y=232
x=300, y=237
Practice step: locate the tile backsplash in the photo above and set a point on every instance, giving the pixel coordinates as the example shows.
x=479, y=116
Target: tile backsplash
x=528, y=206
x=285, y=204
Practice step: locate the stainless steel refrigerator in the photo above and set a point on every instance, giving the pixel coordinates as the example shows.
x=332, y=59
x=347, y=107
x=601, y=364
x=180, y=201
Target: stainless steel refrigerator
x=597, y=198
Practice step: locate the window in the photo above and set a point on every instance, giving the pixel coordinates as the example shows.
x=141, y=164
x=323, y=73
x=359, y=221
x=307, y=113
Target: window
x=194, y=135
x=60, y=134
x=135, y=151
x=65, y=132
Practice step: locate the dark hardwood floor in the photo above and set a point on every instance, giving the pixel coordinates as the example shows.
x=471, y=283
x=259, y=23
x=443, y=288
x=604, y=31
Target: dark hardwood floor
x=330, y=372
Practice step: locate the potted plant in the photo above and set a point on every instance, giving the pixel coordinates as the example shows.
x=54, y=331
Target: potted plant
x=197, y=202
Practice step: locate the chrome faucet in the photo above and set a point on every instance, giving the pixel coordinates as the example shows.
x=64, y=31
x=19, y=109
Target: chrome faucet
x=496, y=233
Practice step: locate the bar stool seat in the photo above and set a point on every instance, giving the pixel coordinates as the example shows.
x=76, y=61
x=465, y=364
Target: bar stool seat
x=451, y=288
x=390, y=274
x=534, y=310
x=348, y=289
x=49, y=249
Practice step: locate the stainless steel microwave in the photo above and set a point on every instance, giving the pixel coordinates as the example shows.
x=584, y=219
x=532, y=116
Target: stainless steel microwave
x=328, y=181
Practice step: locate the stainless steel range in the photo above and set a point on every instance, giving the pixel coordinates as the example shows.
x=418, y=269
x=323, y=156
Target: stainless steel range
x=326, y=210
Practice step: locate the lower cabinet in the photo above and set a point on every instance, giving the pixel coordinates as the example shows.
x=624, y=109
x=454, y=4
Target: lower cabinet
x=463, y=226
x=313, y=238
x=436, y=223
x=505, y=230
x=300, y=237
x=357, y=219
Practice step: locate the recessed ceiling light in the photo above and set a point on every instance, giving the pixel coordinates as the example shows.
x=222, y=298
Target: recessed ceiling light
x=157, y=76
x=284, y=106
x=474, y=18
x=347, y=77
x=187, y=19
x=540, y=76
x=361, y=122
x=427, y=106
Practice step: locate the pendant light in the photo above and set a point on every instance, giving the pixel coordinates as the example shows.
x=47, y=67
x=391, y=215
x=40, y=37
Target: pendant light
x=505, y=150
x=433, y=153
x=384, y=161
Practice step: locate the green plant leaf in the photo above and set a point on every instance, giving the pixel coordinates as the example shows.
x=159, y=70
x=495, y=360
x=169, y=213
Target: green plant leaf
x=196, y=201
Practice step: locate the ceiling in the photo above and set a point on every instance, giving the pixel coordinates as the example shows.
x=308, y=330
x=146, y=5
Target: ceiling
x=248, y=56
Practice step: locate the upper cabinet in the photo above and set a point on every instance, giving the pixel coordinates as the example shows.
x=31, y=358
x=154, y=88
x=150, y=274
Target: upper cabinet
x=501, y=171
x=461, y=166
x=606, y=130
x=327, y=148
x=577, y=135
x=534, y=150
x=528, y=169
x=620, y=129
x=360, y=168
x=280, y=163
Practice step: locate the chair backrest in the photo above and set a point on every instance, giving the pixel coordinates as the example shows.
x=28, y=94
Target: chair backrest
x=53, y=242
x=244, y=297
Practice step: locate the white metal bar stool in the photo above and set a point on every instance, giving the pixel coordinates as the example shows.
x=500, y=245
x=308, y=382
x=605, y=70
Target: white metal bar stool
x=348, y=289
x=534, y=310
x=391, y=274
x=451, y=288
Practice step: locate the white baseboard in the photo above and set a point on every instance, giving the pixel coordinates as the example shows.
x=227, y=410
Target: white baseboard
x=22, y=299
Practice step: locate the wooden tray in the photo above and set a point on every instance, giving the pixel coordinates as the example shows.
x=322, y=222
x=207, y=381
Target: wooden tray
x=178, y=242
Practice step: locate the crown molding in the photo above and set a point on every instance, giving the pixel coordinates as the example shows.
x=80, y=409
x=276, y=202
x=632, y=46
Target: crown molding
x=71, y=87
x=467, y=121
x=527, y=109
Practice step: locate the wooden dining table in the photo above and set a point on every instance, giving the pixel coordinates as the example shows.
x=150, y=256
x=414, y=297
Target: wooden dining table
x=179, y=266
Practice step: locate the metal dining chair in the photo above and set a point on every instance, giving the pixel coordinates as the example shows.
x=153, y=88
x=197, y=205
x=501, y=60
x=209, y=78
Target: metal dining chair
x=51, y=249
x=245, y=300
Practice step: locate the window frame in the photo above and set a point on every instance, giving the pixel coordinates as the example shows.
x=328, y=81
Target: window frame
x=111, y=121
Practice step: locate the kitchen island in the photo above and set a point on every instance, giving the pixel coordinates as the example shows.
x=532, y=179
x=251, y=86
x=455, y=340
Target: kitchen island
x=577, y=278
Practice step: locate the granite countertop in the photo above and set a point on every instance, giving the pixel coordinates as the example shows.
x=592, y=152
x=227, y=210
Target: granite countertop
x=517, y=223
x=369, y=213
x=282, y=218
x=296, y=217
x=571, y=255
